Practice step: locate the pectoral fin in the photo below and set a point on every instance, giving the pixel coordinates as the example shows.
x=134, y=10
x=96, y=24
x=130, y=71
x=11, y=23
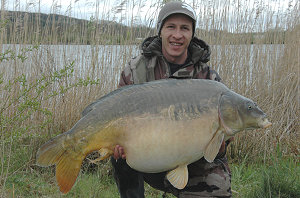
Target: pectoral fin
x=178, y=177
x=214, y=146
x=104, y=154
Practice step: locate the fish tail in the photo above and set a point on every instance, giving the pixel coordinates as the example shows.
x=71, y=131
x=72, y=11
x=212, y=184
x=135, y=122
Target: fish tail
x=67, y=170
x=67, y=163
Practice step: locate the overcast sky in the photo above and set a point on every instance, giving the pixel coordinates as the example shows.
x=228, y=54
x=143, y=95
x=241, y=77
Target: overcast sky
x=145, y=11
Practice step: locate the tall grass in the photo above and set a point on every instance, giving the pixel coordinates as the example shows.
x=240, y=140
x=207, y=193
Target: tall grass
x=47, y=78
x=278, y=178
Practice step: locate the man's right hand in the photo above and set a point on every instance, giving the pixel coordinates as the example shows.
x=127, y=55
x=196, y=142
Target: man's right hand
x=119, y=152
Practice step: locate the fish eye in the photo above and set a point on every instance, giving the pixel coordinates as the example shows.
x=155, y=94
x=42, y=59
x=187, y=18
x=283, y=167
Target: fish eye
x=249, y=107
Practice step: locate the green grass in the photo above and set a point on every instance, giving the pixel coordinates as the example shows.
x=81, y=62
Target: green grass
x=278, y=179
x=281, y=179
x=88, y=185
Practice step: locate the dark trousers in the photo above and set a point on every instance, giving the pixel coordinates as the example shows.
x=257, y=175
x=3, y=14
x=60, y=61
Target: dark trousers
x=130, y=182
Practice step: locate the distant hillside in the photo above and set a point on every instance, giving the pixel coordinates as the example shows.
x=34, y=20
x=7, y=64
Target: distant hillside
x=17, y=27
x=39, y=28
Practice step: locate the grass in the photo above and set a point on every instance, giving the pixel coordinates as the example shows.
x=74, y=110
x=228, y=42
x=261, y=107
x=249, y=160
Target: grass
x=98, y=183
x=278, y=179
x=42, y=94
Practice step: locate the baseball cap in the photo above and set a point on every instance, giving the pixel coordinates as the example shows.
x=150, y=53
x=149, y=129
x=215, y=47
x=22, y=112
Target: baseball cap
x=175, y=7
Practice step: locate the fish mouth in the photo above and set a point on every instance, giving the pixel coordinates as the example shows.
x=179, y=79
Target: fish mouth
x=265, y=124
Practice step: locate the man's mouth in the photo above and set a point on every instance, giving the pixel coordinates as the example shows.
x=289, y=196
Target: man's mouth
x=175, y=44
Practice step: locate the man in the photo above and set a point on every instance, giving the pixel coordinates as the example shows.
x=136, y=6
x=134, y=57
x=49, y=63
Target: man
x=173, y=53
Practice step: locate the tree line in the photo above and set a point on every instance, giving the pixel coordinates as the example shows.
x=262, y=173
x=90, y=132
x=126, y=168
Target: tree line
x=39, y=28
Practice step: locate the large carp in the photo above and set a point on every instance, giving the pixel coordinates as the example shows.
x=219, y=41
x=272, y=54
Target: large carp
x=162, y=125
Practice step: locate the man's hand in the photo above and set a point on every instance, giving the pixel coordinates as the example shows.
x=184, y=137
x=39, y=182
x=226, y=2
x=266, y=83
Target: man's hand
x=119, y=152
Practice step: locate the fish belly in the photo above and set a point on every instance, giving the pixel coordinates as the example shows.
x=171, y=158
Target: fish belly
x=159, y=144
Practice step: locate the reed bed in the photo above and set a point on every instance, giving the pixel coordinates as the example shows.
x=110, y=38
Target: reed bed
x=52, y=67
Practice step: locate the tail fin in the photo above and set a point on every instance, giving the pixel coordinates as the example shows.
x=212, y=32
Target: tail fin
x=67, y=164
x=67, y=170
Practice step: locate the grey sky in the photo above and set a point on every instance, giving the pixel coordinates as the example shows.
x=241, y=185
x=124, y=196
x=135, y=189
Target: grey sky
x=145, y=11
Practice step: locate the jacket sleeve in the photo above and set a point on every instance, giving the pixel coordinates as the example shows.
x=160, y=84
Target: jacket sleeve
x=126, y=76
x=134, y=72
x=211, y=74
x=205, y=72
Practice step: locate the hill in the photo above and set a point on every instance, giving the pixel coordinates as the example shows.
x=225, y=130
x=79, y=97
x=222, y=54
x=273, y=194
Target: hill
x=39, y=28
x=20, y=27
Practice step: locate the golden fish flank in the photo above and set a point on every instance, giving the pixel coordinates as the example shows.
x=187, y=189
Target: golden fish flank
x=165, y=126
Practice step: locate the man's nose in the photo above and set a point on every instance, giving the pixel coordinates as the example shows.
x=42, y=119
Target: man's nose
x=177, y=34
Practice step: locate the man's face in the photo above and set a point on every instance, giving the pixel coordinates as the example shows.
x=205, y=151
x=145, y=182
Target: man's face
x=176, y=35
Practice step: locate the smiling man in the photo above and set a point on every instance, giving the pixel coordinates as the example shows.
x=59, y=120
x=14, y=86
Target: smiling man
x=173, y=53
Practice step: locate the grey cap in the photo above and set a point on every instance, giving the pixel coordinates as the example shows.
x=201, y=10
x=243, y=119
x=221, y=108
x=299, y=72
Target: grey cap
x=175, y=7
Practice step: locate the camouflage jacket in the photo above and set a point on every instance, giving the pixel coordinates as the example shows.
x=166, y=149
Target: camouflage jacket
x=151, y=65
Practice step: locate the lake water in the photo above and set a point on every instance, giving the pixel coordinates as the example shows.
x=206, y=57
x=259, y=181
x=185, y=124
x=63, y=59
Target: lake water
x=108, y=60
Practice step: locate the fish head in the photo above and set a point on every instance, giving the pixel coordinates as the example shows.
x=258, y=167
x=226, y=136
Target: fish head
x=238, y=113
x=253, y=117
